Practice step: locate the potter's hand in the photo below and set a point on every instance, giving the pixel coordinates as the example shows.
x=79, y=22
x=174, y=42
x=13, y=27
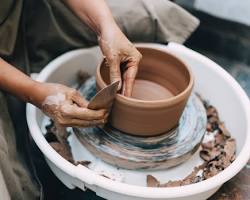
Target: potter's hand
x=114, y=45
x=117, y=49
x=66, y=106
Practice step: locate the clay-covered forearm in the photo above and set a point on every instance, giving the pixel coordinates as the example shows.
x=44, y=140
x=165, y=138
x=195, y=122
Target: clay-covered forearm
x=15, y=82
x=64, y=105
x=95, y=13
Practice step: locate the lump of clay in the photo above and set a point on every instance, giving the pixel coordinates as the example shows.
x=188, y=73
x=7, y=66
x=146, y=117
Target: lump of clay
x=152, y=181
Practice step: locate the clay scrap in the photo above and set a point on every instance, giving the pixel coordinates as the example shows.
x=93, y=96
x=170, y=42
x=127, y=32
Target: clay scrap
x=62, y=148
x=217, y=151
x=85, y=163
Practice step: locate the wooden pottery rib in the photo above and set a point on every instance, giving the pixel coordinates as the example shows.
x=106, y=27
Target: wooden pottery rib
x=104, y=98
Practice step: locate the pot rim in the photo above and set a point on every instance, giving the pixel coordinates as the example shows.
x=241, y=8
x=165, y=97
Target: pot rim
x=155, y=103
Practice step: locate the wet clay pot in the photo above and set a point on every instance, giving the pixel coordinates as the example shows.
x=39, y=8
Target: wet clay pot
x=161, y=90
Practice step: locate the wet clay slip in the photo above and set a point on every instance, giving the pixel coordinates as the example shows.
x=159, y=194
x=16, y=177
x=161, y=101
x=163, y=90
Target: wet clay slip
x=162, y=88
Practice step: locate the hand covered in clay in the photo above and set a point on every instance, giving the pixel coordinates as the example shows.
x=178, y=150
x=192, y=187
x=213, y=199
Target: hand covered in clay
x=117, y=49
x=66, y=106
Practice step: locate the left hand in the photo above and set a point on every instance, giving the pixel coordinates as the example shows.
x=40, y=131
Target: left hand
x=66, y=106
x=117, y=49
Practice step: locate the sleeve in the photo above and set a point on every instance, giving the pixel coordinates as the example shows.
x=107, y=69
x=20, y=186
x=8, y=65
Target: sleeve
x=153, y=20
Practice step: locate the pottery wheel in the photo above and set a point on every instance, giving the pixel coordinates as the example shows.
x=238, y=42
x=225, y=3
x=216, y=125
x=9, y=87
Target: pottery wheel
x=159, y=152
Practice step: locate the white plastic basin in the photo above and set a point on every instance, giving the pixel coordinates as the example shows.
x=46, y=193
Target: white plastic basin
x=211, y=81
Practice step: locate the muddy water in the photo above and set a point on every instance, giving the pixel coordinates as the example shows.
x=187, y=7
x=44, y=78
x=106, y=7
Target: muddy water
x=150, y=91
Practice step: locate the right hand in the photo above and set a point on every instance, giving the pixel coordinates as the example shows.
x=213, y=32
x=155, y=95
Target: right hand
x=117, y=49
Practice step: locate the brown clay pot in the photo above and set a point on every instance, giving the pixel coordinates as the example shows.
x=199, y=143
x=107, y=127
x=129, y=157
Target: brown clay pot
x=162, y=88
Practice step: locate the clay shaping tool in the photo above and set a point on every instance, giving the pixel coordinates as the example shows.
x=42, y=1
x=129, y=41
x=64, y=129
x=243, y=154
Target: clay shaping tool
x=104, y=98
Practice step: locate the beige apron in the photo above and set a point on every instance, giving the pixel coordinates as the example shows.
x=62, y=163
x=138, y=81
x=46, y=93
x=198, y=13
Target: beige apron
x=33, y=32
x=13, y=174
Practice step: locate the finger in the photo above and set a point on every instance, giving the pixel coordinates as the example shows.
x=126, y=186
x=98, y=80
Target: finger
x=115, y=72
x=83, y=123
x=82, y=113
x=79, y=100
x=129, y=78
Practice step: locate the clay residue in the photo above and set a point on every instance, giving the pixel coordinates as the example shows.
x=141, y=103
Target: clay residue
x=85, y=163
x=61, y=146
x=193, y=177
x=54, y=99
x=63, y=150
x=217, y=151
x=56, y=135
x=152, y=181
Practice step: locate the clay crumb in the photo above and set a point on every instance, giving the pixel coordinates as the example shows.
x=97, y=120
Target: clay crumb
x=152, y=181
x=171, y=184
x=219, y=139
x=224, y=130
x=85, y=163
x=208, y=145
x=230, y=147
x=62, y=148
x=209, y=154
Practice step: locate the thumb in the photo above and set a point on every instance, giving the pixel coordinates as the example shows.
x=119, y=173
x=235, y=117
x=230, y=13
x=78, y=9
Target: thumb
x=79, y=100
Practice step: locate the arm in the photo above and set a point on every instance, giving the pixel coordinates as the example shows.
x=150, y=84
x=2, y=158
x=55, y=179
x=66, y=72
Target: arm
x=64, y=105
x=95, y=13
x=115, y=46
x=16, y=82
